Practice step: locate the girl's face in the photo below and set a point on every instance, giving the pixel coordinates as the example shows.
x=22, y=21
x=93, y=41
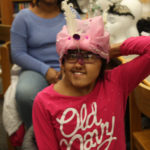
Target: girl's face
x=81, y=69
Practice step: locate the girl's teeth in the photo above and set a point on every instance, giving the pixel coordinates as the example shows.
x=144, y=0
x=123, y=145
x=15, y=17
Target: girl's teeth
x=78, y=73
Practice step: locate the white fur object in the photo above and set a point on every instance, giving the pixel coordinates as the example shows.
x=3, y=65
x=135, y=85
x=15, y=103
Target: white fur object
x=10, y=115
x=123, y=27
x=135, y=7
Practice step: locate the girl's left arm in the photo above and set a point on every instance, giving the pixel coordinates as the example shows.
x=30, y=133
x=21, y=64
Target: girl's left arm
x=133, y=72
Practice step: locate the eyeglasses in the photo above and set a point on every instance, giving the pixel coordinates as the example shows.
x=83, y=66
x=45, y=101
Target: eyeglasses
x=86, y=57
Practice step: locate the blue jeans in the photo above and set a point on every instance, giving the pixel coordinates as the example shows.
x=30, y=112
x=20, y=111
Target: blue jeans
x=29, y=84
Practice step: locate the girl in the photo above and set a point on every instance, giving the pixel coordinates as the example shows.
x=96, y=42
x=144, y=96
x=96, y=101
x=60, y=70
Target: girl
x=85, y=109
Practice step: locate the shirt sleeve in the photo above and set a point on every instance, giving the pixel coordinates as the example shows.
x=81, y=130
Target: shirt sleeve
x=19, y=47
x=43, y=129
x=130, y=74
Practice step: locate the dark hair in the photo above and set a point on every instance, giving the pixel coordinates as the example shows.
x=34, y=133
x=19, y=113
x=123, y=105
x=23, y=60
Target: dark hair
x=103, y=68
x=58, y=3
x=74, y=2
x=143, y=25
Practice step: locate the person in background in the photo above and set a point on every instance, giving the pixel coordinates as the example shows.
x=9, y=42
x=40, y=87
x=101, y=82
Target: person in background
x=33, y=48
x=86, y=108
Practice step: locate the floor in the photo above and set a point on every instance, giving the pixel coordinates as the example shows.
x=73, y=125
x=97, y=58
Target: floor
x=3, y=136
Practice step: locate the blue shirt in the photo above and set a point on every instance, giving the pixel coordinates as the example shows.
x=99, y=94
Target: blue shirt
x=33, y=41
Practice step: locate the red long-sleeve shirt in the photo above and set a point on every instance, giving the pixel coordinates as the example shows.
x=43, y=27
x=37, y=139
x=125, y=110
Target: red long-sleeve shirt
x=94, y=121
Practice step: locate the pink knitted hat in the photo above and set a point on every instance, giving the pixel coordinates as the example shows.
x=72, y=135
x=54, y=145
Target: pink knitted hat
x=88, y=35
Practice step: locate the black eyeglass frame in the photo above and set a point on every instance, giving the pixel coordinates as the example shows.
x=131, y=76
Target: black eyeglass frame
x=73, y=56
